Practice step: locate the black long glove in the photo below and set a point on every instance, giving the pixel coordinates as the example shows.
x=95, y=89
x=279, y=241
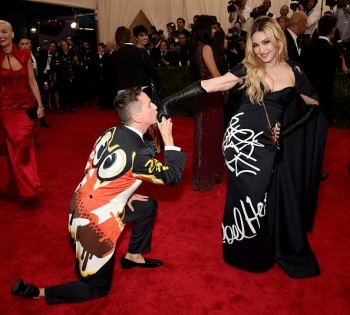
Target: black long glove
x=309, y=114
x=193, y=90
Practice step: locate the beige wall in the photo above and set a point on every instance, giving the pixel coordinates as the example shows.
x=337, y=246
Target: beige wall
x=114, y=13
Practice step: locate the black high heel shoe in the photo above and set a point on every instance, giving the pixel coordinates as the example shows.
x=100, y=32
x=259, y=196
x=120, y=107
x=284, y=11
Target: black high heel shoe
x=24, y=289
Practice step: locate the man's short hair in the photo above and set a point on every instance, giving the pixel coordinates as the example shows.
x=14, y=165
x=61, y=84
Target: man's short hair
x=126, y=102
x=182, y=20
x=326, y=24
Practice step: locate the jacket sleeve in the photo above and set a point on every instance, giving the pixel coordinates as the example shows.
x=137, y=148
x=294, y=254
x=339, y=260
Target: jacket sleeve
x=146, y=168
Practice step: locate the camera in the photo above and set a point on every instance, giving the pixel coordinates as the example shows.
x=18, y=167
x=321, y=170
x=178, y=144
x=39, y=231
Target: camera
x=231, y=7
x=257, y=12
x=232, y=35
x=294, y=6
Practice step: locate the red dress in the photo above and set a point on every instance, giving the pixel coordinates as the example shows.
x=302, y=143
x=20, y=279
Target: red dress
x=208, y=160
x=17, y=130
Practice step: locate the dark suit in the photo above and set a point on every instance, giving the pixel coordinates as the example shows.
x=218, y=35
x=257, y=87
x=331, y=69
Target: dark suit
x=44, y=74
x=319, y=62
x=242, y=34
x=292, y=47
x=118, y=164
x=103, y=81
x=132, y=66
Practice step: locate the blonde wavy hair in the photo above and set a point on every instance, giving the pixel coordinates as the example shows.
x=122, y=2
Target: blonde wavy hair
x=255, y=82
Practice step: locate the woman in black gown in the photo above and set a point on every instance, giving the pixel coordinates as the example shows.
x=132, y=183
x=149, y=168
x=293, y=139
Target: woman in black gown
x=257, y=230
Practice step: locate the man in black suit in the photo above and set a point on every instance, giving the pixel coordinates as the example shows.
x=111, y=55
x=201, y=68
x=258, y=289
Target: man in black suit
x=105, y=201
x=319, y=62
x=45, y=74
x=130, y=65
x=239, y=30
x=296, y=27
x=110, y=50
x=102, y=68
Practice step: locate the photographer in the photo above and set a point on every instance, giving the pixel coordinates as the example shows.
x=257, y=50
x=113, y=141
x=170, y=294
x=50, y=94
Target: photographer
x=284, y=10
x=267, y=5
x=238, y=11
x=313, y=16
x=342, y=14
x=257, y=12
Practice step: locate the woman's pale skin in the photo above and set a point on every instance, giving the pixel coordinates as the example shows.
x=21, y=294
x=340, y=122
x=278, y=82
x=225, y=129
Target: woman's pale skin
x=142, y=40
x=278, y=74
x=6, y=44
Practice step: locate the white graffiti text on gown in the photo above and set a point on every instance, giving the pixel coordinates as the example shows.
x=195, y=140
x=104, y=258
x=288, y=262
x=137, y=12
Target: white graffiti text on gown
x=238, y=140
x=243, y=221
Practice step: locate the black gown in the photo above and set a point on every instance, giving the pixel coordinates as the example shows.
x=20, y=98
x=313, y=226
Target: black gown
x=254, y=215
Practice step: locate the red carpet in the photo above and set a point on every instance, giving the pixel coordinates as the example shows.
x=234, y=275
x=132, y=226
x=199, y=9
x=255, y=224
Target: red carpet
x=187, y=237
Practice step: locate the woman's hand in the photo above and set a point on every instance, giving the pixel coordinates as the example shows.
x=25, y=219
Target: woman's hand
x=40, y=112
x=275, y=134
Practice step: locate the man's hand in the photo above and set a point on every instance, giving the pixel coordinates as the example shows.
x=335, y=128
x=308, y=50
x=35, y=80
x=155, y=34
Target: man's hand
x=136, y=197
x=166, y=130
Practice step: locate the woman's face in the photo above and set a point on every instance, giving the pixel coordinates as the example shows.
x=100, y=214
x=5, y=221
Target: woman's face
x=162, y=46
x=283, y=24
x=23, y=43
x=142, y=39
x=64, y=46
x=6, y=35
x=263, y=48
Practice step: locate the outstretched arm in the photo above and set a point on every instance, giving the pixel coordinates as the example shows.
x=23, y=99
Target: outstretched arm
x=222, y=83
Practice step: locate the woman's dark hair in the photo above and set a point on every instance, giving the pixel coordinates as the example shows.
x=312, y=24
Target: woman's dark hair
x=122, y=36
x=219, y=50
x=171, y=25
x=138, y=29
x=201, y=34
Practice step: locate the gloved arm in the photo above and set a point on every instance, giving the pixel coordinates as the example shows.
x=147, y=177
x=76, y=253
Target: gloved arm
x=309, y=114
x=193, y=90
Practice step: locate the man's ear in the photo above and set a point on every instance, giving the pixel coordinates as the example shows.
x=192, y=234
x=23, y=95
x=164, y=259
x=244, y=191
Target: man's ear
x=137, y=117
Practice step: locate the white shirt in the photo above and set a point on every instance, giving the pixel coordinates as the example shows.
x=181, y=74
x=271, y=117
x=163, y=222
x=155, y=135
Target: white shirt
x=167, y=147
x=295, y=37
x=312, y=19
x=35, y=65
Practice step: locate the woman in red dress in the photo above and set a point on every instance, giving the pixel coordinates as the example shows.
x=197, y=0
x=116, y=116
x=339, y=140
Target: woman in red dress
x=18, y=114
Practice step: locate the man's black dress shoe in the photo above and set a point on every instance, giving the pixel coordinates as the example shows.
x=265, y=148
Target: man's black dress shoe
x=25, y=289
x=324, y=176
x=149, y=263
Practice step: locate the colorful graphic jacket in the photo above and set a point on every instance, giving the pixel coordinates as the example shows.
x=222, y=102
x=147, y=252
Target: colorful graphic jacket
x=117, y=165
